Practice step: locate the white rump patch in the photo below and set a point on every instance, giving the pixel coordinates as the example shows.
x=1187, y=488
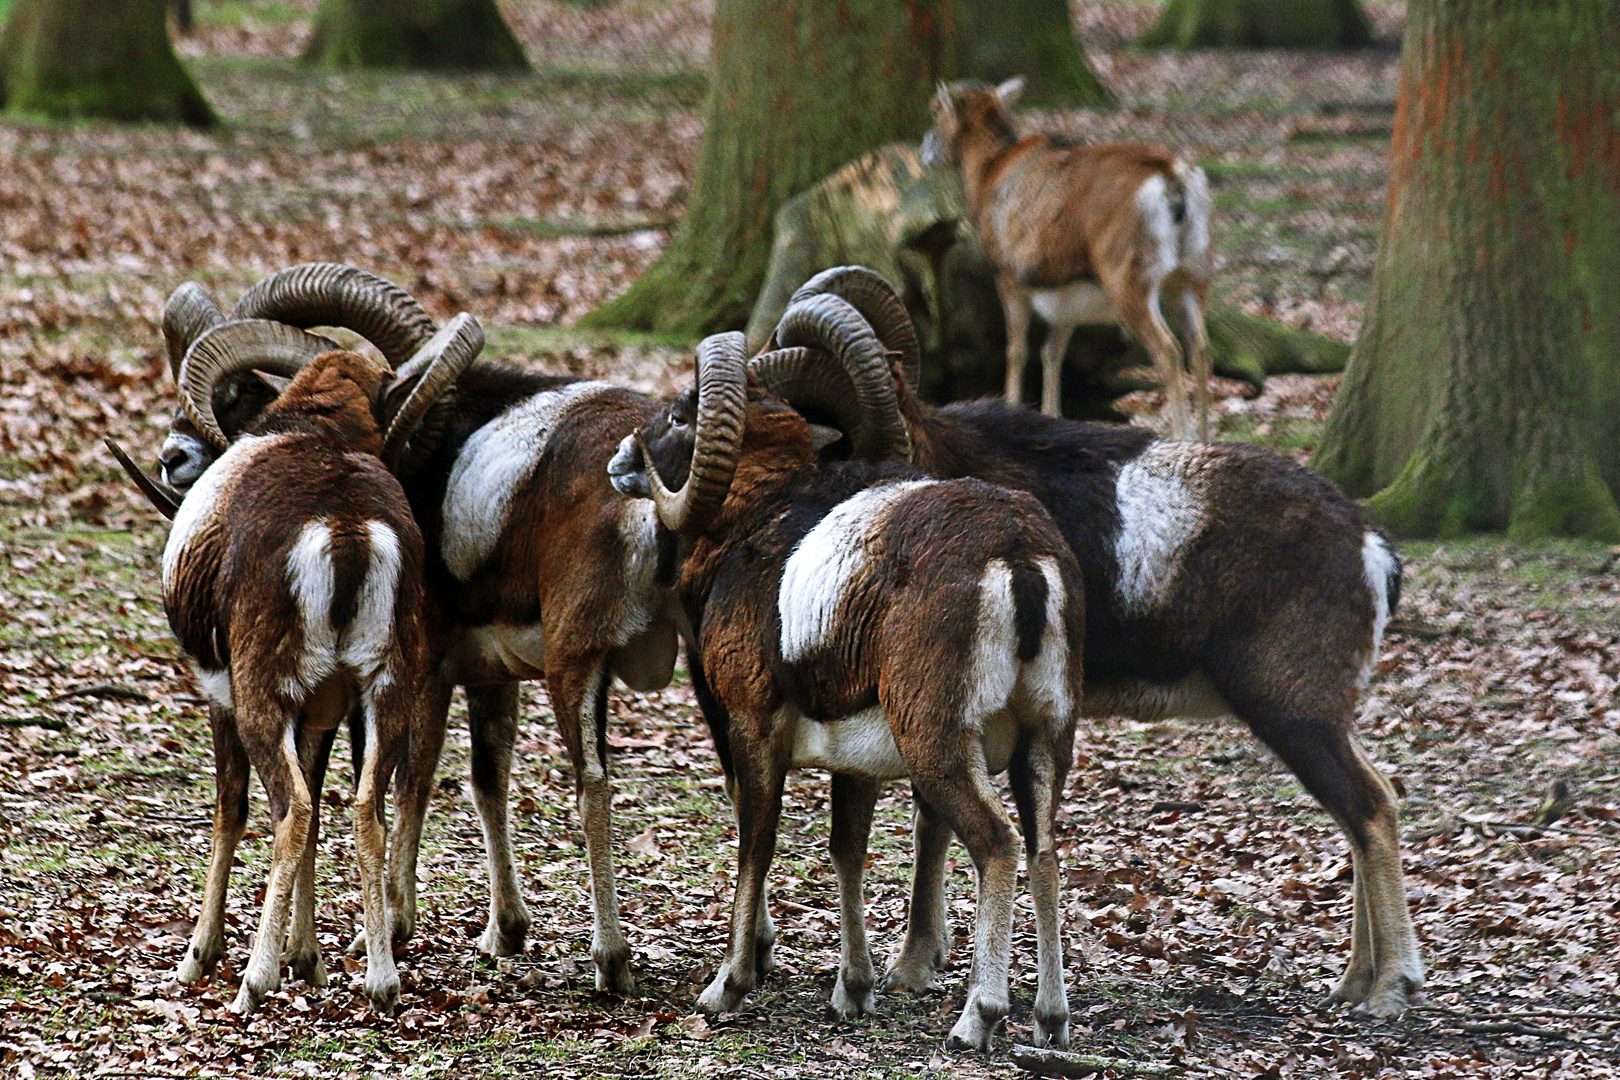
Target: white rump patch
x=370, y=637
x=1195, y=227
x=638, y=526
x=1078, y=303
x=494, y=463
x=1160, y=495
x=1381, y=568
x=310, y=579
x=1153, y=206
x=1045, y=679
x=206, y=494
x=993, y=665
x=861, y=744
x=216, y=687
x=826, y=561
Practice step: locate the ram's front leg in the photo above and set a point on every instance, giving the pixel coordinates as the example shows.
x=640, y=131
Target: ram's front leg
x=492, y=718
x=852, y=801
x=207, y=945
x=579, y=698
x=759, y=781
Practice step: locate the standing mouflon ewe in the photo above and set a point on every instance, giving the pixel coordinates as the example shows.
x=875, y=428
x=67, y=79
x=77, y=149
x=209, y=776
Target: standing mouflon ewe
x=292, y=577
x=535, y=568
x=1084, y=234
x=1221, y=580
x=877, y=624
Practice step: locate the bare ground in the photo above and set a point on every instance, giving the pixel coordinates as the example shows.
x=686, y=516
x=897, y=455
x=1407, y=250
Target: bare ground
x=1207, y=897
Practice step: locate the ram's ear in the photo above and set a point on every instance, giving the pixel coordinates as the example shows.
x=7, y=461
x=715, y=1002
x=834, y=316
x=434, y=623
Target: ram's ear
x=276, y=383
x=822, y=436
x=1010, y=91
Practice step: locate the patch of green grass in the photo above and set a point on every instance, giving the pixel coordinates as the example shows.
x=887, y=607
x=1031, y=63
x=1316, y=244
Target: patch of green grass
x=240, y=12
x=1282, y=433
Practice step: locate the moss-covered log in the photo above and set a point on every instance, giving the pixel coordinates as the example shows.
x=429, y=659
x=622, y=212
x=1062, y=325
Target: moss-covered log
x=885, y=211
x=1484, y=391
x=797, y=88
x=997, y=39
x=464, y=35
x=68, y=59
x=1260, y=24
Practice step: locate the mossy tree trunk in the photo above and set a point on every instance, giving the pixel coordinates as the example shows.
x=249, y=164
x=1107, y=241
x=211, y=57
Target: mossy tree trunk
x=466, y=35
x=997, y=39
x=1484, y=391
x=797, y=88
x=88, y=58
x=1260, y=24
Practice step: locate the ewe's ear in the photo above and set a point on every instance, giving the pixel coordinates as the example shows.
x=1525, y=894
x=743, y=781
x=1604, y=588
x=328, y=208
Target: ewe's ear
x=1010, y=91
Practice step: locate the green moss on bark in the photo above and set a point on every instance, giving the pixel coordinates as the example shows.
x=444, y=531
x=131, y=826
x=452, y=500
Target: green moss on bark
x=997, y=39
x=72, y=59
x=1484, y=391
x=1260, y=24
x=797, y=88
x=457, y=35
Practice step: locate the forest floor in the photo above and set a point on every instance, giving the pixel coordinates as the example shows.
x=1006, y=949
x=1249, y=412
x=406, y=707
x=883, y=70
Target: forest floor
x=1207, y=898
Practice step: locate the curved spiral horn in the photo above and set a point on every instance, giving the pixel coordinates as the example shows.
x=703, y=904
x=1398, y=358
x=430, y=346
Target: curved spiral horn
x=240, y=345
x=722, y=384
x=832, y=325
x=165, y=499
x=870, y=293
x=331, y=294
x=424, y=379
x=189, y=313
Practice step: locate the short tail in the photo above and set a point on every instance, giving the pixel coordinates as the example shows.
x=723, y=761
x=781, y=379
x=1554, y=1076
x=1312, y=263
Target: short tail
x=1187, y=191
x=351, y=559
x=1029, y=609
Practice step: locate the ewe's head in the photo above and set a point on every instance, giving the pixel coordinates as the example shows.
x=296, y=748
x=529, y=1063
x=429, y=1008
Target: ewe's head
x=966, y=108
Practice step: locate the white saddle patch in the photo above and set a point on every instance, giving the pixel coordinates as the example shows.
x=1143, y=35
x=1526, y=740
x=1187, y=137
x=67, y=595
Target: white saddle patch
x=823, y=564
x=1162, y=509
x=200, y=503
x=494, y=464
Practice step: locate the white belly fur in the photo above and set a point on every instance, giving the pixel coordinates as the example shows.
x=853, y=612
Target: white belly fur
x=863, y=745
x=1073, y=304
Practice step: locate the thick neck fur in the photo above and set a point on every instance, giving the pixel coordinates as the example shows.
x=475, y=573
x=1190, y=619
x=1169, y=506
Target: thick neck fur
x=985, y=137
x=330, y=397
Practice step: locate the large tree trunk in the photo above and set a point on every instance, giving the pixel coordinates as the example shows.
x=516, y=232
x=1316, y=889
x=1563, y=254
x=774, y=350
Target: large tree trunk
x=466, y=35
x=1484, y=391
x=1260, y=24
x=89, y=58
x=797, y=88
x=997, y=39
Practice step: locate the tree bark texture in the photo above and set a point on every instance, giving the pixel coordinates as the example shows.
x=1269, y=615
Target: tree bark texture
x=1260, y=24
x=885, y=211
x=997, y=39
x=797, y=88
x=1484, y=391
x=465, y=35
x=88, y=58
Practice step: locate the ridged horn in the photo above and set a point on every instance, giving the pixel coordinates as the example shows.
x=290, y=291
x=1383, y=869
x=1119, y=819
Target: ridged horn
x=189, y=314
x=423, y=380
x=240, y=345
x=165, y=499
x=812, y=382
x=722, y=385
x=870, y=293
x=332, y=294
x=834, y=326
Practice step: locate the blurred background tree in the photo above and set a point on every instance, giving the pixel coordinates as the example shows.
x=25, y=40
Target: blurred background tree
x=1260, y=24
x=796, y=89
x=467, y=35
x=1484, y=389
x=997, y=39
x=94, y=59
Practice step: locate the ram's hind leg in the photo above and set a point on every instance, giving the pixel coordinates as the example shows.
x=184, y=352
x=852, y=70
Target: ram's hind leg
x=303, y=955
x=416, y=770
x=387, y=725
x=928, y=929
x=957, y=784
x=492, y=719
x=853, y=799
x=207, y=944
x=579, y=699
x=290, y=809
x=1333, y=768
x=1038, y=771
